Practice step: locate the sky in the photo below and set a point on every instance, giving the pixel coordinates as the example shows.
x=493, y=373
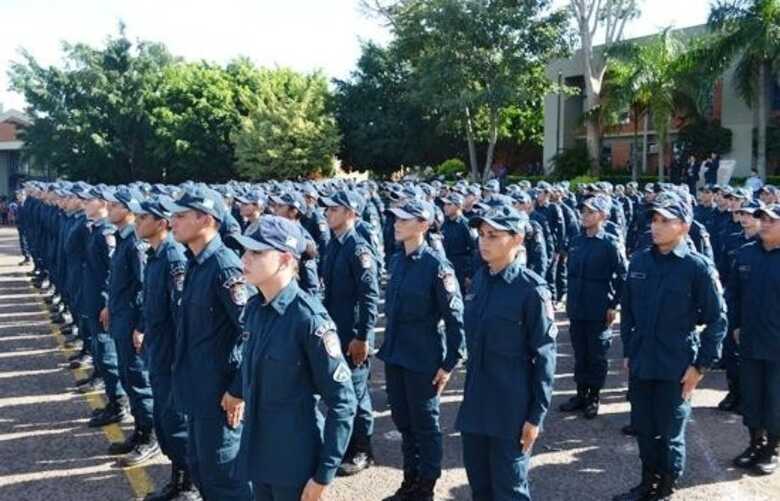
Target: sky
x=305, y=35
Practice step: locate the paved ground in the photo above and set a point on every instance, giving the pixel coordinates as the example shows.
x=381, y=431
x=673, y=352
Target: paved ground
x=48, y=453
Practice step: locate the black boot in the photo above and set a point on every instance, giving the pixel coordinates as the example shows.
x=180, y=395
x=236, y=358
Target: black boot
x=730, y=402
x=644, y=491
x=358, y=458
x=188, y=492
x=114, y=412
x=423, y=490
x=406, y=489
x=766, y=462
x=127, y=445
x=576, y=402
x=146, y=448
x=592, y=403
x=171, y=489
x=665, y=490
x=748, y=457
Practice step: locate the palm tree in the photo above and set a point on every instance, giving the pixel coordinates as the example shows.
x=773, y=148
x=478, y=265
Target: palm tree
x=749, y=34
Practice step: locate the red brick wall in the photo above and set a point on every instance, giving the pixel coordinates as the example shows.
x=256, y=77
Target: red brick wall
x=7, y=131
x=621, y=153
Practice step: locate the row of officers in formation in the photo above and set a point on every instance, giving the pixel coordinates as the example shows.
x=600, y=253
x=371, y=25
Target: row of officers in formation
x=234, y=324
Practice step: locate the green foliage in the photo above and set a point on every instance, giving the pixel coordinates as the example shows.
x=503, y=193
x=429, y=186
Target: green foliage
x=290, y=133
x=572, y=162
x=451, y=168
x=580, y=180
x=702, y=137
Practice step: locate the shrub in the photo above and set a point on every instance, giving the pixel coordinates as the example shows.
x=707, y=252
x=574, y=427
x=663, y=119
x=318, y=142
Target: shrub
x=451, y=168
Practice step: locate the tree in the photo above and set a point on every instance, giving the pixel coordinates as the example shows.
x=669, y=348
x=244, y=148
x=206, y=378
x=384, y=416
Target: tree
x=474, y=58
x=290, y=132
x=749, y=34
x=382, y=127
x=193, y=112
x=590, y=16
x=88, y=117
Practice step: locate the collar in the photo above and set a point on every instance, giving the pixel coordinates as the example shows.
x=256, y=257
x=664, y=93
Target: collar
x=418, y=252
x=208, y=251
x=680, y=251
x=340, y=239
x=600, y=235
x=511, y=271
x=284, y=297
x=164, y=245
x=126, y=231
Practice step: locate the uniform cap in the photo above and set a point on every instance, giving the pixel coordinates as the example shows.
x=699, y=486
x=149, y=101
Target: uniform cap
x=277, y=233
x=503, y=218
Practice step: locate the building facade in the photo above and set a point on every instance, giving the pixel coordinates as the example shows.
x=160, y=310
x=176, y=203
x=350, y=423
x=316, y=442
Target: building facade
x=563, y=119
x=13, y=167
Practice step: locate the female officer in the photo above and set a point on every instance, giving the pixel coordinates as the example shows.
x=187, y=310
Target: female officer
x=419, y=357
x=510, y=332
x=292, y=353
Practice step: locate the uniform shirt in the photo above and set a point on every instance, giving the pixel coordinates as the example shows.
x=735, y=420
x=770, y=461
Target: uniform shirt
x=125, y=289
x=459, y=243
x=293, y=354
x=665, y=298
x=207, y=354
x=537, y=259
x=100, y=246
x=510, y=333
x=554, y=216
x=316, y=224
x=351, y=287
x=753, y=296
x=597, y=270
x=163, y=284
x=422, y=291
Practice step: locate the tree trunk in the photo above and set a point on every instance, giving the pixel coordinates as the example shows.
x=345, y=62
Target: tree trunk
x=491, y=147
x=644, y=144
x=472, y=146
x=661, y=137
x=762, y=120
x=634, y=150
x=593, y=141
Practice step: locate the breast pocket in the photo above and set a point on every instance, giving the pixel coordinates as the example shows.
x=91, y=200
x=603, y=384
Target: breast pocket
x=676, y=299
x=282, y=380
x=414, y=305
x=504, y=333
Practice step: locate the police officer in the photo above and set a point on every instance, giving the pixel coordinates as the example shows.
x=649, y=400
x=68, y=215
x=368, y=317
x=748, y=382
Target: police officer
x=163, y=284
x=419, y=358
x=510, y=331
x=597, y=270
x=459, y=243
x=207, y=354
x=292, y=355
x=251, y=206
x=669, y=291
x=291, y=205
x=123, y=317
x=100, y=246
x=754, y=315
x=349, y=272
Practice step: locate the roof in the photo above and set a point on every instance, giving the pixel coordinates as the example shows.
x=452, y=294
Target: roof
x=16, y=117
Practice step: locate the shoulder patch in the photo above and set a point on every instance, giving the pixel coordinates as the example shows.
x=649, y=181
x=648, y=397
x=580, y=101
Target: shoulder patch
x=236, y=285
x=178, y=274
x=342, y=373
x=332, y=343
x=323, y=226
x=364, y=256
x=110, y=240
x=324, y=327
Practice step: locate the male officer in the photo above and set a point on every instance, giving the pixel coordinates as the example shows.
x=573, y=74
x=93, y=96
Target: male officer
x=510, y=330
x=420, y=356
x=163, y=283
x=100, y=246
x=123, y=316
x=292, y=358
x=459, y=244
x=352, y=299
x=754, y=314
x=597, y=270
x=207, y=354
x=554, y=216
x=669, y=291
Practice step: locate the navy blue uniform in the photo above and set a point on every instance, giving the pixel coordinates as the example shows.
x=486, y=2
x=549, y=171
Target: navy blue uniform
x=665, y=298
x=292, y=356
x=207, y=361
x=597, y=270
x=349, y=271
x=163, y=284
x=459, y=246
x=422, y=290
x=753, y=295
x=510, y=333
x=125, y=302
